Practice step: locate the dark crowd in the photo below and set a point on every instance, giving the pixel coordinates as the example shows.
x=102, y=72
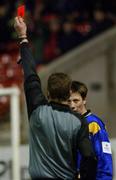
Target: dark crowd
x=56, y=26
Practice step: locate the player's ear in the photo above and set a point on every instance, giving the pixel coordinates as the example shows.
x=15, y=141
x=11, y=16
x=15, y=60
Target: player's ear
x=84, y=101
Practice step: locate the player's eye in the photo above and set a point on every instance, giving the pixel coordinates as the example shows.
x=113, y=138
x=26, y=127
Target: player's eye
x=76, y=100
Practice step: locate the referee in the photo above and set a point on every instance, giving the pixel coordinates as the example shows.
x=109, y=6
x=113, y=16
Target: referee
x=55, y=132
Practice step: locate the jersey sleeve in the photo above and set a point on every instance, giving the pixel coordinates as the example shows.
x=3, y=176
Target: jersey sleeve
x=102, y=147
x=32, y=83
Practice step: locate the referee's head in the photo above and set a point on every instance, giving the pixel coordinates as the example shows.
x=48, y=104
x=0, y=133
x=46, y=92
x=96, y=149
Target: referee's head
x=58, y=87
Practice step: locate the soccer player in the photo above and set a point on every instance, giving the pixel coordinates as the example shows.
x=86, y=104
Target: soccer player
x=97, y=131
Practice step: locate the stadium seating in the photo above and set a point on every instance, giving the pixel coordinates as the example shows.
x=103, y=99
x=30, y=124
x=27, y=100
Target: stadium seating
x=10, y=75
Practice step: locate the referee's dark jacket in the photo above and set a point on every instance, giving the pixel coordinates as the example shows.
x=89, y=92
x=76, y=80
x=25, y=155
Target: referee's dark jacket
x=55, y=132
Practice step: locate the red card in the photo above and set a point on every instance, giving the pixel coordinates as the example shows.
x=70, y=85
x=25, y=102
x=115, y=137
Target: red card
x=21, y=11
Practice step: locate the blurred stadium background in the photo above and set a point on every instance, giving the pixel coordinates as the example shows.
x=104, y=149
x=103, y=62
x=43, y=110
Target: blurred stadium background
x=77, y=37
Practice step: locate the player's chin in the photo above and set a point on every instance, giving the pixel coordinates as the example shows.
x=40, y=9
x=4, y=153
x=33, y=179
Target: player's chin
x=75, y=110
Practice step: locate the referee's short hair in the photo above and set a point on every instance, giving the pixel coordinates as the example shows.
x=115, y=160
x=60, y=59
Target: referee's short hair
x=59, y=85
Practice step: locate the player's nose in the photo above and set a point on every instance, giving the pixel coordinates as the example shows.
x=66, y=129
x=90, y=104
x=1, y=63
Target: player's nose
x=72, y=105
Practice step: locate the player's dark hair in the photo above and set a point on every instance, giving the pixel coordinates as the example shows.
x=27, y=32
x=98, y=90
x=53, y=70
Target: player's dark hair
x=79, y=87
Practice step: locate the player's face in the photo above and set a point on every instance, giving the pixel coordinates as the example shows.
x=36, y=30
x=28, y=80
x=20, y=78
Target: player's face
x=76, y=103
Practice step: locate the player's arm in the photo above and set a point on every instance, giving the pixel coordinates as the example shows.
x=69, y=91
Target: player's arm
x=88, y=163
x=32, y=84
x=102, y=148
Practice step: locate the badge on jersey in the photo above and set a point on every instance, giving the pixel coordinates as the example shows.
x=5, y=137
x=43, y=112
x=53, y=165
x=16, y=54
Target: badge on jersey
x=106, y=147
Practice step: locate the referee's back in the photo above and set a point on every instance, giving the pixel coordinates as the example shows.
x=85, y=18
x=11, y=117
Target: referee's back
x=54, y=137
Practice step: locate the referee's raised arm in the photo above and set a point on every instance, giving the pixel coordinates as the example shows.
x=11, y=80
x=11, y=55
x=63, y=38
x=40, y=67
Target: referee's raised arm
x=32, y=84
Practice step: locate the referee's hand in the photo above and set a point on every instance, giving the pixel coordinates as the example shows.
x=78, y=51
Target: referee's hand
x=20, y=27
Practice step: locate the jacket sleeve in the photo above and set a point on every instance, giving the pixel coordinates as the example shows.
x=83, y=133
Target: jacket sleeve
x=32, y=84
x=88, y=162
x=101, y=144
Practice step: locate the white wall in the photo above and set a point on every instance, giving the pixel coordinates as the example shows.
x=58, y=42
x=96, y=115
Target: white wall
x=113, y=145
x=6, y=157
